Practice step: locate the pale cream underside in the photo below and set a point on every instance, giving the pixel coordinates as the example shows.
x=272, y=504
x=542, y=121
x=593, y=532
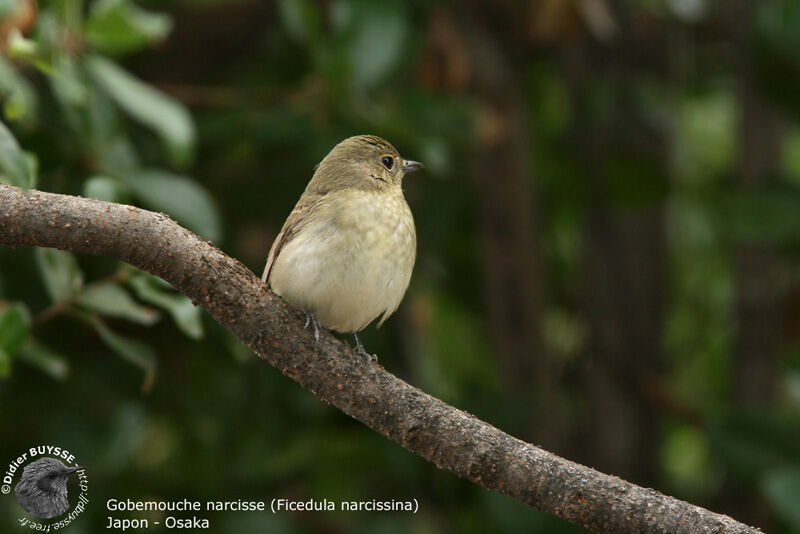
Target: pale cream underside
x=349, y=265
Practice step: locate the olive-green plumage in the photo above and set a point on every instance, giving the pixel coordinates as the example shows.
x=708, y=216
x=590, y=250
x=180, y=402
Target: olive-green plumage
x=347, y=250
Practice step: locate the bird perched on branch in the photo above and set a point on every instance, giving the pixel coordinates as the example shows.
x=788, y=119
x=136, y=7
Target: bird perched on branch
x=42, y=489
x=346, y=252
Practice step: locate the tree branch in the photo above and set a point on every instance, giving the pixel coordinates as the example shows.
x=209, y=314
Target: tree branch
x=426, y=426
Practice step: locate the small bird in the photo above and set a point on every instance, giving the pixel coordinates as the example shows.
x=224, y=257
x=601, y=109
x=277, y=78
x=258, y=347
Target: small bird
x=42, y=489
x=346, y=252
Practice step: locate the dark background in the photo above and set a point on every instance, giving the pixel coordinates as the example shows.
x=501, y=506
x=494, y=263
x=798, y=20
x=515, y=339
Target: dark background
x=608, y=226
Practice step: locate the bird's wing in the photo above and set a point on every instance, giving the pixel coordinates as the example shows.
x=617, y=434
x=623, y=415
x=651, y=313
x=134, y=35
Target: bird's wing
x=296, y=221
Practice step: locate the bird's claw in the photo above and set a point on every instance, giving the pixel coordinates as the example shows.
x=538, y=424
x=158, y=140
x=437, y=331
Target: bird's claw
x=312, y=319
x=363, y=352
x=369, y=357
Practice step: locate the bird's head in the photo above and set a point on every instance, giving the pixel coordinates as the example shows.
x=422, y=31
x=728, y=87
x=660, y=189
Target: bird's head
x=363, y=162
x=49, y=474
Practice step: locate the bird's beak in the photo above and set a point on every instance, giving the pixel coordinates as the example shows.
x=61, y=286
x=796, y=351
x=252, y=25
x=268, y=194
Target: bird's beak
x=411, y=166
x=71, y=470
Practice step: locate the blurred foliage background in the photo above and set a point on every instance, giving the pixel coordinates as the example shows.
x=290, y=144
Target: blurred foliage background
x=609, y=241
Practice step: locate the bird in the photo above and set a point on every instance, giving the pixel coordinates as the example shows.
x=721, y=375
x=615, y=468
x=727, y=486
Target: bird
x=42, y=488
x=346, y=252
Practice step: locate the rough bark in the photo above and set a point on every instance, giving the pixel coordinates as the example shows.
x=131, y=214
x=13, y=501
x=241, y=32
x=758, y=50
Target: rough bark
x=446, y=436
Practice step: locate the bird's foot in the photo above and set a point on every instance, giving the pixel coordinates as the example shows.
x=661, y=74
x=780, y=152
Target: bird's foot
x=312, y=319
x=362, y=351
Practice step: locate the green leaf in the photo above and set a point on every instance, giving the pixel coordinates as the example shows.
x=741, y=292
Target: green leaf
x=775, y=51
x=374, y=36
x=754, y=442
x=124, y=433
x=131, y=350
x=685, y=458
x=790, y=155
x=13, y=163
x=564, y=333
x=117, y=154
x=301, y=18
x=104, y=188
x=119, y=26
x=705, y=139
x=186, y=315
x=111, y=300
x=32, y=161
x=181, y=197
x=15, y=321
x=167, y=116
x=8, y=7
x=46, y=360
x=240, y=352
x=21, y=48
x=776, y=26
x=62, y=276
x=768, y=214
x=460, y=345
x=5, y=363
x=69, y=82
x=16, y=93
x=781, y=486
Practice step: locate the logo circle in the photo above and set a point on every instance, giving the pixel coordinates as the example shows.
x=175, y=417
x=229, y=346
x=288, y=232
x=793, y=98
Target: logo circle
x=41, y=478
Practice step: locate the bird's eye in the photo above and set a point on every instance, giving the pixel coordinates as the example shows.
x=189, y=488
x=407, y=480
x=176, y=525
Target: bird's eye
x=387, y=162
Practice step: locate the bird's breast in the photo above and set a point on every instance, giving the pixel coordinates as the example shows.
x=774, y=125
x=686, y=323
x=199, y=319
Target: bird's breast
x=352, y=262
x=379, y=223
